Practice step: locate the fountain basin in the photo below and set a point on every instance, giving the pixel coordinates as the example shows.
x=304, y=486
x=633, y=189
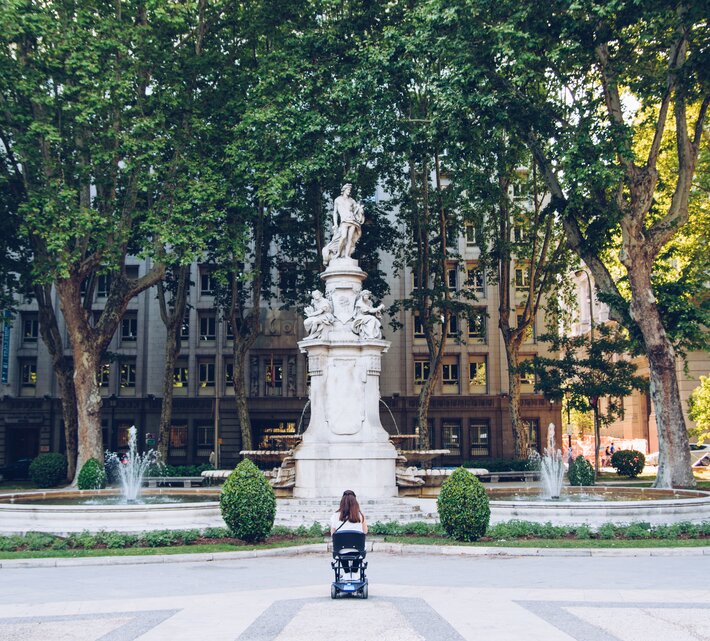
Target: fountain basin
x=617, y=505
x=34, y=512
x=25, y=511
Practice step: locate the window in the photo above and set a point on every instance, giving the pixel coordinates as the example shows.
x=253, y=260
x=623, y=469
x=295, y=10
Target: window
x=208, y=327
x=206, y=281
x=526, y=377
x=129, y=329
x=474, y=279
x=470, y=235
x=450, y=373
x=529, y=333
x=180, y=376
x=520, y=233
x=477, y=325
x=273, y=377
x=128, y=375
x=287, y=279
x=229, y=373
x=123, y=436
x=132, y=271
x=178, y=440
x=30, y=328
x=451, y=437
x=205, y=439
x=477, y=373
x=480, y=438
x=104, y=373
x=228, y=330
x=452, y=277
x=421, y=371
x=28, y=373
x=453, y=329
x=206, y=374
x=533, y=432
x=185, y=327
x=103, y=285
x=418, y=327
x=522, y=279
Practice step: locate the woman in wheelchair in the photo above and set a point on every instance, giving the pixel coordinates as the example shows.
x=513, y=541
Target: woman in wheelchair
x=348, y=528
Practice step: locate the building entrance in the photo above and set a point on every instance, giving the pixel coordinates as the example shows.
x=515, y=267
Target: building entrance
x=22, y=442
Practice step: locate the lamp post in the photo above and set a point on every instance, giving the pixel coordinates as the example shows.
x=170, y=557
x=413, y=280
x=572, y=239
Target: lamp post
x=593, y=400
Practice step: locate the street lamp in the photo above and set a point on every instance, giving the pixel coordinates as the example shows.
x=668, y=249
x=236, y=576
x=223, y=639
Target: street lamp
x=593, y=400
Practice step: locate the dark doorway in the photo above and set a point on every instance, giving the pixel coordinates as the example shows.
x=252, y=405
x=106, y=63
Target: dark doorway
x=22, y=443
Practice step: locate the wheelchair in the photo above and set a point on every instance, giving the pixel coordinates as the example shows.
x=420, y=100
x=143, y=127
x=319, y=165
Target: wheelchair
x=349, y=565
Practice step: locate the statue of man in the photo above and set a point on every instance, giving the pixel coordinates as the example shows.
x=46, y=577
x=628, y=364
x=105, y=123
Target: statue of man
x=351, y=215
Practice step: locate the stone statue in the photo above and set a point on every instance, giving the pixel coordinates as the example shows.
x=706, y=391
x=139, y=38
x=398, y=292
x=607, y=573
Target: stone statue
x=348, y=217
x=319, y=315
x=367, y=317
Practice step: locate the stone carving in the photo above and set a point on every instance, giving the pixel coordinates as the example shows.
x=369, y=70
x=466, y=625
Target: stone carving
x=348, y=217
x=319, y=315
x=367, y=322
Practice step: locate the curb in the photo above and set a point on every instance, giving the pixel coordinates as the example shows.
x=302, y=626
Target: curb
x=397, y=549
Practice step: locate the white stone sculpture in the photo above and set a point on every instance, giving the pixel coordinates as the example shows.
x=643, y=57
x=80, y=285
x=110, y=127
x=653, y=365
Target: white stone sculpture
x=367, y=322
x=348, y=217
x=319, y=315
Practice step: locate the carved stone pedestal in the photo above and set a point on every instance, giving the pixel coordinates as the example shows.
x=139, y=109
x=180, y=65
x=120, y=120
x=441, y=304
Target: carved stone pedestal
x=345, y=445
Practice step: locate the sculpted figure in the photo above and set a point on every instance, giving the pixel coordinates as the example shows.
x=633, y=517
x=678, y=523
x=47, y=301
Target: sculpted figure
x=319, y=315
x=367, y=322
x=348, y=217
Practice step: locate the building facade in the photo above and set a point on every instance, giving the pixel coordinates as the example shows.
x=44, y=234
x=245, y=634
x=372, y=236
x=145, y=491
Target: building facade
x=469, y=412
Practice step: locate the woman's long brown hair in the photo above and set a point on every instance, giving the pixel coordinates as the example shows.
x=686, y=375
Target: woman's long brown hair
x=350, y=508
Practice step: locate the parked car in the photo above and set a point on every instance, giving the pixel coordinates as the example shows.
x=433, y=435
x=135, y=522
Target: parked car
x=699, y=456
x=17, y=471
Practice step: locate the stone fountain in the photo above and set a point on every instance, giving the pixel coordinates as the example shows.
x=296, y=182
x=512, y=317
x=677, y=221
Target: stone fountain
x=345, y=444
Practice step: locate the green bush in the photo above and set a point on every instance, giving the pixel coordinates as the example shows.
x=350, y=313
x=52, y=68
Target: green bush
x=464, y=510
x=581, y=472
x=92, y=476
x=628, y=463
x=163, y=469
x=248, y=503
x=48, y=470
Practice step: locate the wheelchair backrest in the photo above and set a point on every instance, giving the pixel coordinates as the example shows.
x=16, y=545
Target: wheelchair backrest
x=348, y=541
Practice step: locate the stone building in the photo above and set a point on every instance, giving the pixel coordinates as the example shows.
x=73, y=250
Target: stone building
x=468, y=412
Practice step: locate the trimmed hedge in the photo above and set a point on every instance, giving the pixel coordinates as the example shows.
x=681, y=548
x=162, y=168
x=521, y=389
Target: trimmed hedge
x=248, y=503
x=628, y=463
x=581, y=472
x=92, y=476
x=499, y=464
x=49, y=470
x=464, y=509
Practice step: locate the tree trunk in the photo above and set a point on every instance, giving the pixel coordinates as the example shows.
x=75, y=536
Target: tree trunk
x=65, y=382
x=63, y=370
x=240, y=396
x=520, y=427
x=88, y=401
x=674, y=452
x=166, y=409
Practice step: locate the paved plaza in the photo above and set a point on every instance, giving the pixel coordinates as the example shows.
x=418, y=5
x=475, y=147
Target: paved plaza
x=412, y=598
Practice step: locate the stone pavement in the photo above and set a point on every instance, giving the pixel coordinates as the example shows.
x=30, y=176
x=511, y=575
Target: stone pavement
x=412, y=598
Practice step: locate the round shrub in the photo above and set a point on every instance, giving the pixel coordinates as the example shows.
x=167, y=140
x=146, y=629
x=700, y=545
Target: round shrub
x=464, y=510
x=581, y=472
x=248, y=503
x=48, y=470
x=92, y=476
x=628, y=462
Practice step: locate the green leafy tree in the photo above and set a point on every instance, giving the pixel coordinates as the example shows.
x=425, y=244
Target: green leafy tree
x=587, y=371
x=560, y=71
x=699, y=410
x=89, y=109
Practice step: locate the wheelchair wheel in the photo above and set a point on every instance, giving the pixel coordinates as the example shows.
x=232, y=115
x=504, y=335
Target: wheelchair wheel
x=333, y=592
x=364, y=591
